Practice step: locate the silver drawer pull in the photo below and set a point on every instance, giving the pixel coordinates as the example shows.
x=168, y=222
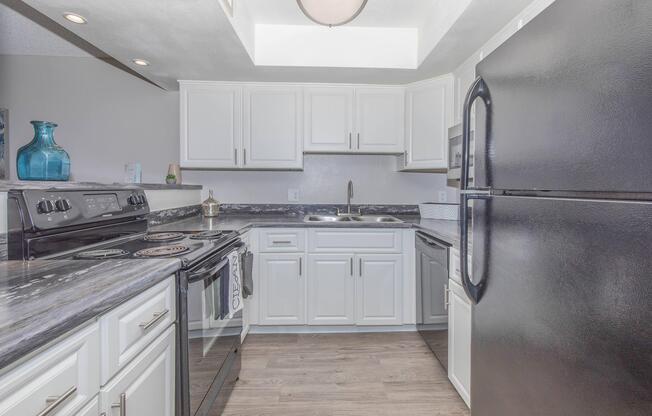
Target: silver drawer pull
x=281, y=242
x=54, y=402
x=122, y=405
x=155, y=318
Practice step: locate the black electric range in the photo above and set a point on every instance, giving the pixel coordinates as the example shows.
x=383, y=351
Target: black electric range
x=91, y=224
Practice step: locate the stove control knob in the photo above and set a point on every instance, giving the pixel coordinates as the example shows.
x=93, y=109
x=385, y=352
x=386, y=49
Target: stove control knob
x=62, y=205
x=133, y=200
x=142, y=200
x=45, y=207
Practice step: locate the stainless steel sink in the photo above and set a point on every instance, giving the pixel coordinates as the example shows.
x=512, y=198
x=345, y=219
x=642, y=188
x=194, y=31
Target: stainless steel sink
x=352, y=218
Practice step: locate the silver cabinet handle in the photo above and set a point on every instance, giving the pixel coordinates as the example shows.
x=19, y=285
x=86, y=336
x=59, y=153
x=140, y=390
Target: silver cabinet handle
x=281, y=242
x=350, y=142
x=360, y=261
x=54, y=402
x=122, y=406
x=351, y=266
x=446, y=296
x=244, y=156
x=155, y=318
x=235, y=156
x=300, y=266
x=358, y=141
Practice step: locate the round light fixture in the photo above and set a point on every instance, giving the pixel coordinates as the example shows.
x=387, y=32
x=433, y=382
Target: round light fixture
x=140, y=62
x=75, y=18
x=331, y=12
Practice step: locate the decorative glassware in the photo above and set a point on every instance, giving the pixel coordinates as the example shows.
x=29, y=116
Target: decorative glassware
x=42, y=159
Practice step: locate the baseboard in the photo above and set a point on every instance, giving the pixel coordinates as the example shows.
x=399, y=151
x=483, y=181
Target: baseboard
x=328, y=329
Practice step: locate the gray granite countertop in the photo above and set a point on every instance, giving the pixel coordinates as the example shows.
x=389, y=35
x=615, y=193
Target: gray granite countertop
x=447, y=231
x=9, y=185
x=43, y=299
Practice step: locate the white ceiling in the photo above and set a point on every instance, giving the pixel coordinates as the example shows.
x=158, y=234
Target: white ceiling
x=194, y=39
x=21, y=36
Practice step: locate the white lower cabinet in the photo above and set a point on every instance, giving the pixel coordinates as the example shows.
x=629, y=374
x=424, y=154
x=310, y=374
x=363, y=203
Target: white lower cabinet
x=331, y=289
x=378, y=289
x=282, y=289
x=459, y=340
x=146, y=386
x=91, y=409
x=62, y=379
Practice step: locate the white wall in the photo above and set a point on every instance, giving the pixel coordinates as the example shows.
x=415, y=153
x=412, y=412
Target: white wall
x=324, y=181
x=106, y=117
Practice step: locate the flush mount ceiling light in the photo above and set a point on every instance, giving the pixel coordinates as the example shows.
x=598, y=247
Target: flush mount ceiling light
x=331, y=12
x=140, y=62
x=75, y=18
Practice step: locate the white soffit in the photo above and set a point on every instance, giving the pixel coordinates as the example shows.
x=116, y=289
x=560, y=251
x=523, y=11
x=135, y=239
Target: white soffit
x=346, y=46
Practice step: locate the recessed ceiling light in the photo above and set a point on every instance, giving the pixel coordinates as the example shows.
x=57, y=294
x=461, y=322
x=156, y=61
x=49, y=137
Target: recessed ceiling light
x=75, y=18
x=140, y=62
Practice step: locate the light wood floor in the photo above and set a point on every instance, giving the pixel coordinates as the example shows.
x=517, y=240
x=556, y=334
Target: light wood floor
x=342, y=374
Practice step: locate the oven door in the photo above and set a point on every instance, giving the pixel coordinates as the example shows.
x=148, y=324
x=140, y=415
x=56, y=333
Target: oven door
x=209, y=336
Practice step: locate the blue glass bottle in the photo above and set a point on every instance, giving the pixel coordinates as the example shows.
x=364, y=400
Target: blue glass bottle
x=42, y=159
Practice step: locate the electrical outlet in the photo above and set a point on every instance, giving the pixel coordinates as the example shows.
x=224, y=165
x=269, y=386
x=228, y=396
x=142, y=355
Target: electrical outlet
x=442, y=196
x=293, y=195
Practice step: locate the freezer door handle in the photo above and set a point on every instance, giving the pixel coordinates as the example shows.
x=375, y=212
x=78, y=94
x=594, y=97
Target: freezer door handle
x=480, y=90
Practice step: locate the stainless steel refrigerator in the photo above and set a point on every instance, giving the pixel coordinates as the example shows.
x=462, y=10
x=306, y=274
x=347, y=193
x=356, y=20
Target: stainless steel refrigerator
x=562, y=215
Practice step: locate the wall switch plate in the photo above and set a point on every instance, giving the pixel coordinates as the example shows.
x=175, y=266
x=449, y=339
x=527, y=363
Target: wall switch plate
x=293, y=195
x=442, y=196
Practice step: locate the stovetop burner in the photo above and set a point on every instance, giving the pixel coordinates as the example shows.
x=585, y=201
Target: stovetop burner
x=102, y=254
x=162, y=251
x=207, y=235
x=163, y=237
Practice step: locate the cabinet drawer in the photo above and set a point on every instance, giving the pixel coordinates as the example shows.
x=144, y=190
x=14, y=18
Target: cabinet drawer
x=129, y=328
x=359, y=241
x=282, y=240
x=69, y=371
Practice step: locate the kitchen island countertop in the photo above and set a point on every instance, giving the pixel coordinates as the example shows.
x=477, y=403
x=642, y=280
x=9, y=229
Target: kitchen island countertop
x=41, y=300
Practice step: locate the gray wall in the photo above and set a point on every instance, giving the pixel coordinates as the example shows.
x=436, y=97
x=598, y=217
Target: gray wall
x=108, y=118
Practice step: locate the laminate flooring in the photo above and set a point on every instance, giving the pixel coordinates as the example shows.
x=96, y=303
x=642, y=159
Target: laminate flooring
x=375, y=374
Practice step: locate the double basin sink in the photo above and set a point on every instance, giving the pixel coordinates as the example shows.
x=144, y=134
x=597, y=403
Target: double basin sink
x=352, y=218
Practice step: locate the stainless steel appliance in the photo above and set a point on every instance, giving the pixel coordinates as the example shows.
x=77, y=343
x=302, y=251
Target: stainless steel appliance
x=92, y=224
x=432, y=294
x=455, y=153
x=562, y=215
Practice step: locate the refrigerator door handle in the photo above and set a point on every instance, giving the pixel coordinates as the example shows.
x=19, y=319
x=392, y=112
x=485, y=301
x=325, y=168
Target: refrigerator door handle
x=478, y=90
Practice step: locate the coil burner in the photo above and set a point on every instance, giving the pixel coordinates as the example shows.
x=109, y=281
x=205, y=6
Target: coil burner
x=163, y=237
x=163, y=251
x=102, y=254
x=207, y=235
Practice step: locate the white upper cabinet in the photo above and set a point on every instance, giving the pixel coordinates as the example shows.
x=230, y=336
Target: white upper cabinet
x=211, y=125
x=273, y=134
x=429, y=113
x=379, y=115
x=328, y=115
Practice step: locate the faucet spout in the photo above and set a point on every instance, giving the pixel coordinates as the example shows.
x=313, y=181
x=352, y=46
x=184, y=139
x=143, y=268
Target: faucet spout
x=349, y=195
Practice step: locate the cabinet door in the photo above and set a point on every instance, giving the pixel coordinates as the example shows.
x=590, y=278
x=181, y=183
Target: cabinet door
x=273, y=136
x=434, y=278
x=380, y=120
x=282, y=289
x=145, y=387
x=91, y=409
x=328, y=115
x=378, y=289
x=211, y=126
x=331, y=289
x=428, y=115
x=459, y=341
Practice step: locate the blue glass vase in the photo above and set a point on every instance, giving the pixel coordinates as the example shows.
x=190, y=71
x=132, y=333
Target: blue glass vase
x=42, y=159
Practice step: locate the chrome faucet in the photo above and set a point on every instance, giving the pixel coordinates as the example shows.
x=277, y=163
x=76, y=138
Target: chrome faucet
x=349, y=195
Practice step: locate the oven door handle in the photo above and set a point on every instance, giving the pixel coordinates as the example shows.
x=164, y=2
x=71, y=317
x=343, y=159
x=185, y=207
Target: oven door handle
x=206, y=273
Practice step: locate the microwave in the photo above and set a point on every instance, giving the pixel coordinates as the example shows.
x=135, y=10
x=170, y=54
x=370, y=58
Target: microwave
x=455, y=152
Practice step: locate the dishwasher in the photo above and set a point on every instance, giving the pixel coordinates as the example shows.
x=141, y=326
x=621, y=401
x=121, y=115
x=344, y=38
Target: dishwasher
x=432, y=294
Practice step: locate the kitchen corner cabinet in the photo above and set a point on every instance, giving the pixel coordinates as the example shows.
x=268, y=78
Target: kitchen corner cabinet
x=282, y=289
x=236, y=126
x=428, y=114
x=459, y=340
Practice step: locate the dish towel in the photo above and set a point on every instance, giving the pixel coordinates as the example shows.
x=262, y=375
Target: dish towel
x=235, y=284
x=247, y=265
